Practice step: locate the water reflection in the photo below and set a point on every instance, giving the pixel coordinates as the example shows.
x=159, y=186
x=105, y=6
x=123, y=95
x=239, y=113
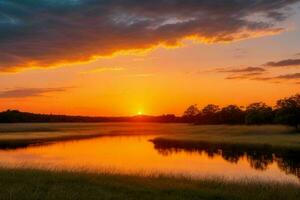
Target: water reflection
x=145, y=154
x=259, y=157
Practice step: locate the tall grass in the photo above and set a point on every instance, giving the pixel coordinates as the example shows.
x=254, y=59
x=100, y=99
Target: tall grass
x=61, y=185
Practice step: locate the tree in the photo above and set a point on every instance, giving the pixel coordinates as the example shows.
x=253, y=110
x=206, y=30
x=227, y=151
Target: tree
x=288, y=111
x=190, y=113
x=259, y=113
x=232, y=114
x=209, y=114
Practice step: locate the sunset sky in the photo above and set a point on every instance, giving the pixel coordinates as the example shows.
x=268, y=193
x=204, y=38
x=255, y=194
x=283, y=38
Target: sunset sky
x=124, y=57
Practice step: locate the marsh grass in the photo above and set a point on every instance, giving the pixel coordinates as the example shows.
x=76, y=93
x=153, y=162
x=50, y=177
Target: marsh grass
x=22, y=143
x=34, y=184
x=23, y=135
x=265, y=135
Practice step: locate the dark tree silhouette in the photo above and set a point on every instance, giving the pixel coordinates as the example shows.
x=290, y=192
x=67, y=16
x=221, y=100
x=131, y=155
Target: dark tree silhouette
x=191, y=113
x=259, y=113
x=232, y=114
x=209, y=115
x=288, y=111
x=15, y=116
x=210, y=109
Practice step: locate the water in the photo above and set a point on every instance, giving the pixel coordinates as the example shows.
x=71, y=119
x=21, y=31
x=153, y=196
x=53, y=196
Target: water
x=141, y=154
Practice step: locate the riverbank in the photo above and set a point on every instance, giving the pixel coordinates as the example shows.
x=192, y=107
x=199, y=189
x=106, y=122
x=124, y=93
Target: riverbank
x=23, y=135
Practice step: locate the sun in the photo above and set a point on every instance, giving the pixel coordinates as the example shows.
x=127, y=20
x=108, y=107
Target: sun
x=140, y=113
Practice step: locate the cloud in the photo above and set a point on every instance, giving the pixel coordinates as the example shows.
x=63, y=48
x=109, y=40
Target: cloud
x=284, y=63
x=259, y=73
x=244, y=76
x=29, y=92
x=50, y=33
x=242, y=70
x=280, y=78
x=288, y=76
x=258, y=77
x=242, y=73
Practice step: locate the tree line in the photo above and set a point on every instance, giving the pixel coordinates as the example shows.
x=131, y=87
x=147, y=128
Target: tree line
x=15, y=116
x=286, y=111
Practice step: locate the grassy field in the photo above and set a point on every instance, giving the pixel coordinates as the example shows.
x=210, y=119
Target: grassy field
x=49, y=185
x=25, y=134
x=19, y=135
x=272, y=135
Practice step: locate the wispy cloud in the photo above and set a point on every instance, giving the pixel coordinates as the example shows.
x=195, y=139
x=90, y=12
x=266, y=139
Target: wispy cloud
x=277, y=79
x=241, y=73
x=242, y=70
x=260, y=73
x=284, y=63
x=288, y=76
x=29, y=92
x=49, y=33
x=244, y=76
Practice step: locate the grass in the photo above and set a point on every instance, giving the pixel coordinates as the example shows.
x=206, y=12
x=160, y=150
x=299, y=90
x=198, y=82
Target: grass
x=55, y=185
x=22, y=135
x=25, y=134
x=22, y=143
x=266, y=135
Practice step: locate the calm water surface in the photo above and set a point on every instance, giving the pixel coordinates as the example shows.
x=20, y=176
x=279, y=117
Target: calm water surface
x=140, y=154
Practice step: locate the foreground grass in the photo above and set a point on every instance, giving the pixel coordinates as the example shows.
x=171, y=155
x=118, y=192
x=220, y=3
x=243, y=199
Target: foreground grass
x=47, y=185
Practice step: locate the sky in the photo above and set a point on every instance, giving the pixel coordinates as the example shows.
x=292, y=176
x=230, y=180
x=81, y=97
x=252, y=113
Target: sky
x=124, y=57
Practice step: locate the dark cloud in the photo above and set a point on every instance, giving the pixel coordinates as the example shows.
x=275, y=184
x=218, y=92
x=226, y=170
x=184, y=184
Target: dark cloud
x=284, y=63
x=262, y=78
x=242, y=73
x=244, y=76
x=277, y=15
x=45, y=33
x=29, y=92
x=280, y=78
x=258, y=77
x=288, y=76
x=259, y=74
x=242, y=70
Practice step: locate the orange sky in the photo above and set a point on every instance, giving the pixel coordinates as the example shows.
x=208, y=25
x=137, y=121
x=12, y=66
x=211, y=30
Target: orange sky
x=157, y=81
